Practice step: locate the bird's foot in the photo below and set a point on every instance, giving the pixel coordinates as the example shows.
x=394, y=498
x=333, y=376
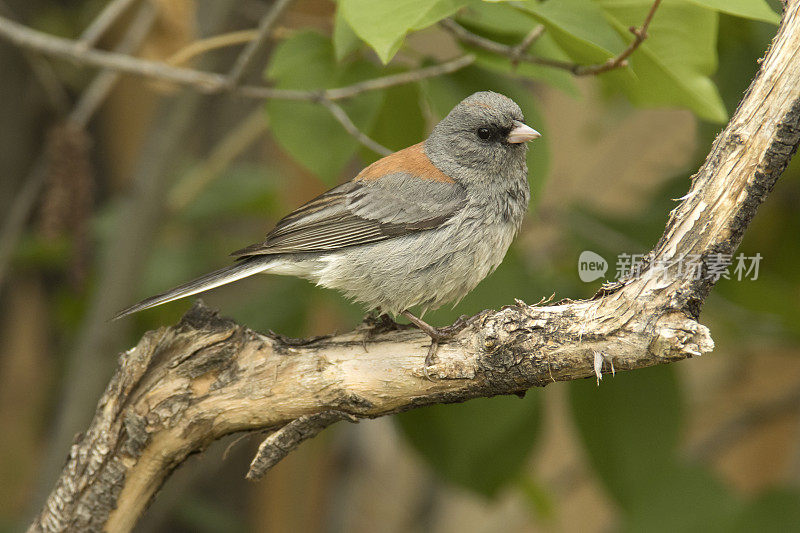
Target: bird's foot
x=437, y=335
x=377, y=323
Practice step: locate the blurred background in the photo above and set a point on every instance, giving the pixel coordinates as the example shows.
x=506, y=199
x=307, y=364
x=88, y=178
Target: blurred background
x=155, y=185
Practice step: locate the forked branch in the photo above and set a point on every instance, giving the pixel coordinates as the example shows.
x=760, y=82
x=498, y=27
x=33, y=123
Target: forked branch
x=182, y=387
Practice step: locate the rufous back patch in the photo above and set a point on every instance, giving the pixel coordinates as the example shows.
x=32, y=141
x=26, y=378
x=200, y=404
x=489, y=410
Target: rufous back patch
x=411, y=160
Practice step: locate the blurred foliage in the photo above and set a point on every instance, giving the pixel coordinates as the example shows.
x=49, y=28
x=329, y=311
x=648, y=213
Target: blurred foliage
x=482, y=444
x=698, y=57
x=300, y=126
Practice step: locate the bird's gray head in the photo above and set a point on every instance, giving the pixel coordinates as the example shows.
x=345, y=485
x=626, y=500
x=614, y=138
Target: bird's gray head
x=484, y=133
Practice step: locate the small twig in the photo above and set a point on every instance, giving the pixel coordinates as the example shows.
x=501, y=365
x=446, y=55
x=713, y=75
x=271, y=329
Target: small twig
x=94, y=94
x=639, y=35
x=278, y=444
x=110, y=14
x=526, y=43
x=340, y=115
x=203, y=81
x=245, y=60
x=518, y=54
x=43, y=71
x=463, y=34
x=400, y=79
x=207, y=82
x=201, y=46
x=100, y=87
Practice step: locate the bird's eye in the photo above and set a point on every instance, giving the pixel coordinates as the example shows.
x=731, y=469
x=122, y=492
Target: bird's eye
x=484, y=133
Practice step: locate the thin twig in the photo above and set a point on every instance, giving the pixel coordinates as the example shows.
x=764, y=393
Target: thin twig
x=400, y=79
x=463, y=34
x=201, y=46
x=516, y=54
x=91, y=98
x=639, y=35
x=522, y=48
x=100, y=87
x=110, y=14
x=207, y=82
x=278, y=444
x=340, y=115
x=43, y=71
x=203, y=81
x=245, y=60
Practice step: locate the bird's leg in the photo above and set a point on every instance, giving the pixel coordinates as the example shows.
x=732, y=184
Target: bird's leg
x=437, y=335
x=378, y=322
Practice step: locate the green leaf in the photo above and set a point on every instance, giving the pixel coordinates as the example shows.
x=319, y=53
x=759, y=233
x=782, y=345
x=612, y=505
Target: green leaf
x=681, y=498
x=498, y=18
x=749, y=9
x=383, y=24
x=400, y=122
x=507, y=25
x=673, y=65
x=630, y=425
x=241, y=189
x=775, y=510
x=579, y=26
x=345, y=41
x=307, y=130
x=481, y=444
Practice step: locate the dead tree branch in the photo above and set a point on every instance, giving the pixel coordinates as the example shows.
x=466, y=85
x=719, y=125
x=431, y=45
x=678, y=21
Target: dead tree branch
x=184, y=386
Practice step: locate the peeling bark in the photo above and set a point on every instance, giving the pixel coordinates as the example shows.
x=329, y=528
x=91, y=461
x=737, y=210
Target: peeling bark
x=184, y=386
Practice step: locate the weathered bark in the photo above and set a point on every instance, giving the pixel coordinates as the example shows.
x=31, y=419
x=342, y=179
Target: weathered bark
x=184, y=386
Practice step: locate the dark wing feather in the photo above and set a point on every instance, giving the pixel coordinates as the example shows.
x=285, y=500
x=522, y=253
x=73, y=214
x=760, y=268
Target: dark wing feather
x=361, y=212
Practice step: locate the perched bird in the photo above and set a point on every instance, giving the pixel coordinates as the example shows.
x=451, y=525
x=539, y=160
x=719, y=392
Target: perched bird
x=420, y=227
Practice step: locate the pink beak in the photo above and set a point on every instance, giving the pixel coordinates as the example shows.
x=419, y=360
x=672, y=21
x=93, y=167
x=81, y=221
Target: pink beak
x=522, y=133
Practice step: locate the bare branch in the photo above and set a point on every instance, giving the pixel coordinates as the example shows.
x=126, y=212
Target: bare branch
x=340, y=115
x=100, y=87
x=201, y=46
x=463, y=34
x=402, y=78
x=639, y=35
x=207, y=82
x=184, y=386
x=518, y=53
x=280, y=443
x=203, y=81
x=526, y=43
x=214, y=83
x=54, y=90
x=92, y=97
x=245, y=60
x=110, y=14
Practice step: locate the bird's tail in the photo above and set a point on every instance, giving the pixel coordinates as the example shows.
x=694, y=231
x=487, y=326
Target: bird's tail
x=242, y=269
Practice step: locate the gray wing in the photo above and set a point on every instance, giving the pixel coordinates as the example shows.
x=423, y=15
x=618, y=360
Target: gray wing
x=361, y=212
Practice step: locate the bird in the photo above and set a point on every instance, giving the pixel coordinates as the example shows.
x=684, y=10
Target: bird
x=418, y=228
